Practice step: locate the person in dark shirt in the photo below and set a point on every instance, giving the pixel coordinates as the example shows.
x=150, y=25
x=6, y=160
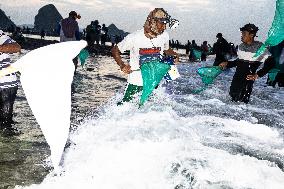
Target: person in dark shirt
x=221, y=48
x=246, y=65
x=204, y=50
x=187, y=47
x=69, y=29
x=8, y=85
x=193, y=47
x=42, y=34
x=104, y=35
x=91, y=34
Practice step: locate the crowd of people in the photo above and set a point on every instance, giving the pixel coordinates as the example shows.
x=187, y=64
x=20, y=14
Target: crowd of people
x=153, y=39
x=221, y=48
x=94, y=33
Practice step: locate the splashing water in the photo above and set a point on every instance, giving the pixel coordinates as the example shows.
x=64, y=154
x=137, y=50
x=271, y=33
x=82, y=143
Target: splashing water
x=179, y=140
x=46, y=77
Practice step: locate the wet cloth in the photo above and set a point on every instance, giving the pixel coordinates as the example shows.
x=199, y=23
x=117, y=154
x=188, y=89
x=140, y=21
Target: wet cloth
x=276, y=74
x=131, y=91
x=276, y=31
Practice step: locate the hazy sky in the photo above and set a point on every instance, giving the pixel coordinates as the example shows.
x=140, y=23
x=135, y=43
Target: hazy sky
x=199, y=19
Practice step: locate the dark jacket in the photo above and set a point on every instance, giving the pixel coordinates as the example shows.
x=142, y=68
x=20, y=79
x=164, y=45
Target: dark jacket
x=245, y=64
x=220, y=48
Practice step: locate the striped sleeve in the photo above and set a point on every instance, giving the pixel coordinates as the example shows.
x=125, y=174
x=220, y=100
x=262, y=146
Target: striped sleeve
x=247, y=52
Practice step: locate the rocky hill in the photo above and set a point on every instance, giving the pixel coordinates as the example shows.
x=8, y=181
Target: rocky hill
x=5, y=21
x=47, y=18
x=113, y=31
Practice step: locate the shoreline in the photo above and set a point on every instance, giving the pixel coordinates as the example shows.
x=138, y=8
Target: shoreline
x=32, y=42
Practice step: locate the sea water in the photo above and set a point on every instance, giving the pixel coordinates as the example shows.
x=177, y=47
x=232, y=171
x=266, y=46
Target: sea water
x=179, y=140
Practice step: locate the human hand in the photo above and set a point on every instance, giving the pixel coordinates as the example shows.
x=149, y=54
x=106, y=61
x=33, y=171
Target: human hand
x=7, y=71
x=176, y=59
x=172, y=53
x=223, y=65
x=126, y=68
x=252, y=77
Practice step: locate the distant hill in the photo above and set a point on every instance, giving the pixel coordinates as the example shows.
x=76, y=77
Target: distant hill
x=113, y=31
x=47, y=18
x=5, y=21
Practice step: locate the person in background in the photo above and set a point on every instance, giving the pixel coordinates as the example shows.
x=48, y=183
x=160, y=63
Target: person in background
x=91, y=35
x=104, y=36
x=152, y=37
x=8, y=85
x=187, y=47
x=246, y=65
x=69, y=31
x=221, y=48
x=98, y=30
x=42, y=33
x=204, y=50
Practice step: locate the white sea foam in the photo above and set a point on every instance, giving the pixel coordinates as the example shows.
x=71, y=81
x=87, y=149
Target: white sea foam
x=178, y=140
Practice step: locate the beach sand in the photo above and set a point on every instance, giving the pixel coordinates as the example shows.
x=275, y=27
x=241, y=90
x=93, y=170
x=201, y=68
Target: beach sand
x=22, y=158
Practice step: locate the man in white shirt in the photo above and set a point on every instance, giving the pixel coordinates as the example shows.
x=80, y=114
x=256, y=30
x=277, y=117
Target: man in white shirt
x=152, y=38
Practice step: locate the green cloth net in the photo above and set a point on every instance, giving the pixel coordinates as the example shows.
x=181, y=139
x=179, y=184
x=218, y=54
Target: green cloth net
x=83, y=55
x=276, y=53
x=208, y=75
x=276, y=31
x=197, y=54
x=272, y=74
x=152, y=74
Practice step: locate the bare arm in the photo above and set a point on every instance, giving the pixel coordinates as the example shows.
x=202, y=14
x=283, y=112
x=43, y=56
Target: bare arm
x=117, y=57
x=10, y=48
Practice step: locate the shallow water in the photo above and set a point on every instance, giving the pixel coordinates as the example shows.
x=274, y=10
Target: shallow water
x=22, y=162
x=178, y=140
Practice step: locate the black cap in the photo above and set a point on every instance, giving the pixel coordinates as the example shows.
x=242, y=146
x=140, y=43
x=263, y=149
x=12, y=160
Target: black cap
x=251, y=28
x=219, y=35
x=74, y=14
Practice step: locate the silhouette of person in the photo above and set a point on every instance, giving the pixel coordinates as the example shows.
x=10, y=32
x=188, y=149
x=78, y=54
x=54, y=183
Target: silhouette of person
x=221, y=48
x=104, y=36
